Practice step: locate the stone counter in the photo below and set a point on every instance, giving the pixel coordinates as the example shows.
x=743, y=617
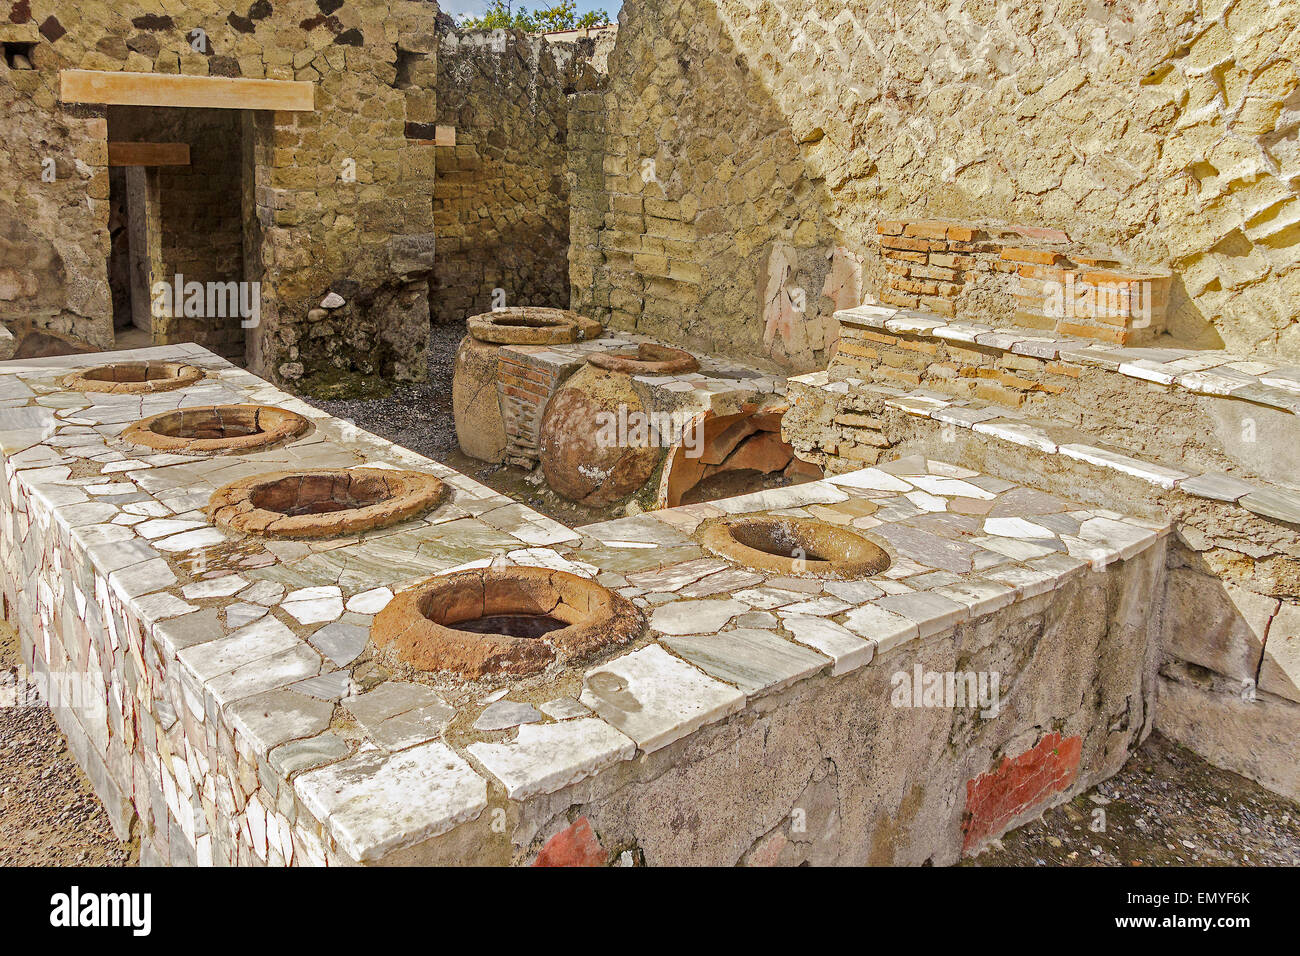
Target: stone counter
x=232, y=710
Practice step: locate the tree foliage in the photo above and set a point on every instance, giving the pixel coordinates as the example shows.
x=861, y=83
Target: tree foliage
x=501, y=14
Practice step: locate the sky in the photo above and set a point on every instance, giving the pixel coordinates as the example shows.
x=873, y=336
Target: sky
x=459, y=7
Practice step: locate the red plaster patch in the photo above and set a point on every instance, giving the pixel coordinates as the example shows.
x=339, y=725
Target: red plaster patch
x=1017, y=785
x=575, y=846
x=767, y=851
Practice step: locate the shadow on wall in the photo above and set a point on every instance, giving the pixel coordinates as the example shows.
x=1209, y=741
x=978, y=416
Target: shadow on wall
x=500, y=200
x=1186, y=322
x=717, y=236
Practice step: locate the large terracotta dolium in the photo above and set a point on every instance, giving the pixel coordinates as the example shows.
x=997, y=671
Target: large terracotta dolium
x=585, y=455
x=475, y=396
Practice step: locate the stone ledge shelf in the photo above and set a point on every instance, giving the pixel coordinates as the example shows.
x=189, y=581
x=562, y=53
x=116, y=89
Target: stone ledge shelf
x=994, y=421
x=717, y=386
x=1204, y=372
x=526, y=376
x=250, y=720
x=715, y=380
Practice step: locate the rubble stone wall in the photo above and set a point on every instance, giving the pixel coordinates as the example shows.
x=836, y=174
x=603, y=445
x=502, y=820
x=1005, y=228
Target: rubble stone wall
x=501, y=203
x=341, y=194
x=1163, y=129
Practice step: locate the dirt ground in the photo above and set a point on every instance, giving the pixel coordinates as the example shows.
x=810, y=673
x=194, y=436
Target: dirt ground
x=48, y=814
x=1166, y=807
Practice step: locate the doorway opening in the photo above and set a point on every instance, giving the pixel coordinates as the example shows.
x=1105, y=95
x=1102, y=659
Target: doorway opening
x=177, y=195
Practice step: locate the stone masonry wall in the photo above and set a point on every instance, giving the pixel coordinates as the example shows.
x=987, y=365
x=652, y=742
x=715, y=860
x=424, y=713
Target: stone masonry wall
x=501, y=203
x=588, y=202
x=1164, y=129
x=340, y=194
x=710, y=218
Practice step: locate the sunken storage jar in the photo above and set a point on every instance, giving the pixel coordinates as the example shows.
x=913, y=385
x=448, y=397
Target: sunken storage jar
x=479, y=403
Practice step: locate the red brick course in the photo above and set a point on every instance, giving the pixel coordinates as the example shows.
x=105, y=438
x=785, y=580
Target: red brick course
x=929, y=264
x=524, y=391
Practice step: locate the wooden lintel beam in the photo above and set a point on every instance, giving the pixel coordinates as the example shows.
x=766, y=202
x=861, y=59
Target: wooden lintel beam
x=161, y=89
x=148, y=154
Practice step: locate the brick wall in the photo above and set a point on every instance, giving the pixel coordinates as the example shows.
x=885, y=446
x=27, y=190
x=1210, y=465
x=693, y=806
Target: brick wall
x=523, y=390
x=927, y=263
x=1019, y=275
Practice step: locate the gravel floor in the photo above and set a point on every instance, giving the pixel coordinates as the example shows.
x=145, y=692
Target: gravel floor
x=48, y=814
x=1166, y=807
x=419, y=417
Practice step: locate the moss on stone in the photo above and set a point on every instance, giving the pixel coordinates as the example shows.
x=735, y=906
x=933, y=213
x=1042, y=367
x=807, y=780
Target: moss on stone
x=335, y=383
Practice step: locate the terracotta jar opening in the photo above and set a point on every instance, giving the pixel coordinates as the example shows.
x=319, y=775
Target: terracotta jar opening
x=515, y=620
x=133, y=377
x=530, y=321
x=324, y=504
x=216, y=429
x=804, y=547
x=647, y=359
x=528, y=325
